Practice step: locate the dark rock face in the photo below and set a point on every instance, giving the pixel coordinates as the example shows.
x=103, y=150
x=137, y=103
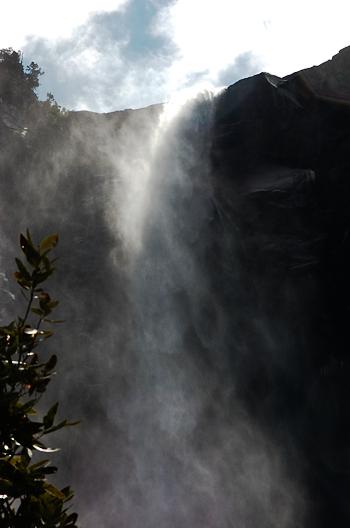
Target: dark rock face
x=272, y=329
x=281, y=176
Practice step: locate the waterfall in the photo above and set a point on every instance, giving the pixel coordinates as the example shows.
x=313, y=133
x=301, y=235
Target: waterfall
x=191, y=456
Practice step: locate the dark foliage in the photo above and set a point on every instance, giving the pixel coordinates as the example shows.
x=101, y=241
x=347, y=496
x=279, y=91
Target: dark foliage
x=17, y=85
x=27, y=498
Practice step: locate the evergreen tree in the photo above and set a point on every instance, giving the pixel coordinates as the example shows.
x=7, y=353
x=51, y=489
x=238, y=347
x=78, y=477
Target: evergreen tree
x=17, y=86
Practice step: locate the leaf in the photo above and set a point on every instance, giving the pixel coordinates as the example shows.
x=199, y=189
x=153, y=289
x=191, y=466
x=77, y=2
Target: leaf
x=55, y=427
x=51, y=363
x=50, y=416
x=41, y=469
x=32, y=255
x=46, y=333
x=22, y=269
x=67, y=492
x=6, y=486
x=41, y=277
x=71, y=519
x=48, y=243
x=42, y=463
x=40, y=447
x=46, y=303
x=29, y=237
x=55, y=492
x=31, y=331
x=22, y=281
x=37, y=311
x=28, y=406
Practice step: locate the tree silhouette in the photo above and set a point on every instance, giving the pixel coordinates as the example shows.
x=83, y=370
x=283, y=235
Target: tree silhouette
x=17, y=86
x=27, y=498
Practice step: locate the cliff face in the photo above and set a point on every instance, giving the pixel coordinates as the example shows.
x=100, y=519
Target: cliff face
x=259, y=299
x=281, y=164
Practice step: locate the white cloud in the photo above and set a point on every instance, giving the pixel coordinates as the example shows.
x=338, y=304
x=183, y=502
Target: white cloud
x=283, y=36
x=22, y=19
x=112, y=61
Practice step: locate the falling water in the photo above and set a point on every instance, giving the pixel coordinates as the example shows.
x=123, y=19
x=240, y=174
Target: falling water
x=196, y=459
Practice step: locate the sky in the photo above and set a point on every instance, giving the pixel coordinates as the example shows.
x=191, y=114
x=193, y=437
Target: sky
x=105, y=55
